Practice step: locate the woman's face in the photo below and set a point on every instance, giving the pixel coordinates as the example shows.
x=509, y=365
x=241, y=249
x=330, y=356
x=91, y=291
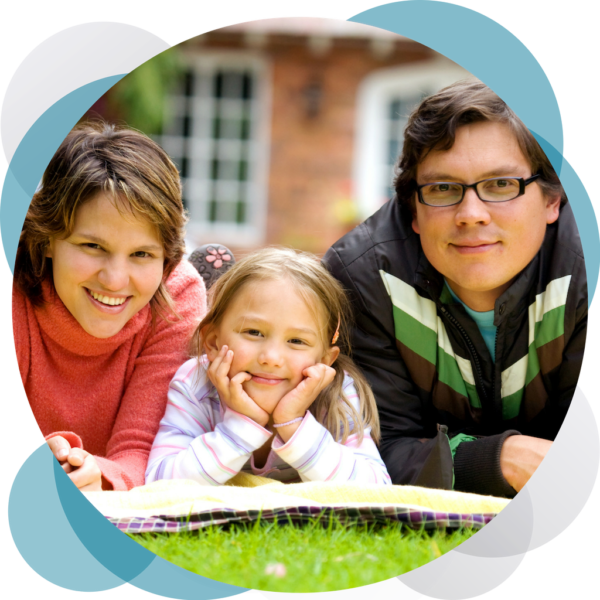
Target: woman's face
x=109, y=268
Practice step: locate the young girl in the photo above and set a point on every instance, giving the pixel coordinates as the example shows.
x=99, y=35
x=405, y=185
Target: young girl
x=272, y=396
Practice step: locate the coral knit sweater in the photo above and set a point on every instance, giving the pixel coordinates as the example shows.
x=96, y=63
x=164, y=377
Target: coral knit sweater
x=105, y=395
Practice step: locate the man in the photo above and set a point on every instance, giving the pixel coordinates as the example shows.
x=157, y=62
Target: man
x=470, y=296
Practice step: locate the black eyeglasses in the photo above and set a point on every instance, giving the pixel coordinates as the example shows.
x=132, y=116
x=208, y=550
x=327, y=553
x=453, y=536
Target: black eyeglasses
x=497, y=189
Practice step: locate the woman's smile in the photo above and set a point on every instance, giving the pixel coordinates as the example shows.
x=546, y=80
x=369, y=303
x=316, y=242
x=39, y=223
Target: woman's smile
x=108, y=304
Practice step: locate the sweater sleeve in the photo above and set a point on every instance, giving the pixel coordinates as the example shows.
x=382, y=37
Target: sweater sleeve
x=73, y=439
x=144, y=400
x=199, y=438
x=316, y=456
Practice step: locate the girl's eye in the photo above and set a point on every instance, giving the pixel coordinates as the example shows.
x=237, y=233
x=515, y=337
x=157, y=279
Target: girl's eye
x=141, y=254
x=92, y=246
x=253, y=332
x=297, y=341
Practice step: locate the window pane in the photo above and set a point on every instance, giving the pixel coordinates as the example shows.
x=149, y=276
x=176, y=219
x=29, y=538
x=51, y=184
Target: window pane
x=243, y=170
x=247, y=87
x=213, y=128
x=399, y=109
x=188, y=84
x=241, y=212
x=226, y=212
x=187, y=126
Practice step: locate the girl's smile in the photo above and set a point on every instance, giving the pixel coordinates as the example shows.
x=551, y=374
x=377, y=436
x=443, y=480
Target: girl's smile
x=266, y=379
x=274, y=334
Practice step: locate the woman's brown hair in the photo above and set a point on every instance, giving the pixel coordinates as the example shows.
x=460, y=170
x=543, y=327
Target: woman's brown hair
x=324, y=295
x=97, y=157
x=433, y=124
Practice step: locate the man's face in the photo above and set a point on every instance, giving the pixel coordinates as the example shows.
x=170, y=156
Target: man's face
x=480, y=247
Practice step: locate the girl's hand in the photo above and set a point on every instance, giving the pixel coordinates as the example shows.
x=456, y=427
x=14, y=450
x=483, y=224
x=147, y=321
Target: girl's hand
x=295, y=403
x=80, y=465
x=231, y=392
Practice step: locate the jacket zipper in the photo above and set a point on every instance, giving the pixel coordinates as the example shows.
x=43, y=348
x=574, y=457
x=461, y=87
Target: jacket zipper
x=494, y=369
x=471, y=347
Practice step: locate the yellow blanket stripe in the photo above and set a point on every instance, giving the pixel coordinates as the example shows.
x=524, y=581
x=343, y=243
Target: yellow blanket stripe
x=249, y=492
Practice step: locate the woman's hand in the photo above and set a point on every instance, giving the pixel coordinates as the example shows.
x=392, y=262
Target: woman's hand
x=231, y=392
x=80, y=465
x=295, y=403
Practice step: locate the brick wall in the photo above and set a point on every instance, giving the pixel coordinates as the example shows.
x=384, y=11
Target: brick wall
x=311, y=153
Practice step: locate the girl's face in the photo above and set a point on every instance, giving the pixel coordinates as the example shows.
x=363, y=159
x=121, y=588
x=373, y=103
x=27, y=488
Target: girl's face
x=109, y=268
x=274, y=335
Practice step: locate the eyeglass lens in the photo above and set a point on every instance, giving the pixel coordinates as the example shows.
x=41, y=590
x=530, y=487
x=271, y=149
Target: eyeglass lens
x=490, y=190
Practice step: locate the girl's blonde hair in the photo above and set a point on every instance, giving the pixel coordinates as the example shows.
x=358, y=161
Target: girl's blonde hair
x=321, y=292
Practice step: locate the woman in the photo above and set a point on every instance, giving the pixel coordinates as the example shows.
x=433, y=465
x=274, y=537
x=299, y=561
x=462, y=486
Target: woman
x=102, y=306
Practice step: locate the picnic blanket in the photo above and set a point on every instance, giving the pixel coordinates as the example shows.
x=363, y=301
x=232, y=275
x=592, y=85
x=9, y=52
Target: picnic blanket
x=183, y=505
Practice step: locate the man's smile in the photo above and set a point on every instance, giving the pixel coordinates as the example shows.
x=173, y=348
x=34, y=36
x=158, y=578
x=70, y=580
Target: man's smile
x=466, y=247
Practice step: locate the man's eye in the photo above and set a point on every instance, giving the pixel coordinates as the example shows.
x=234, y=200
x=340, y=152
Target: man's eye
x=502, y=184
x=442, y=188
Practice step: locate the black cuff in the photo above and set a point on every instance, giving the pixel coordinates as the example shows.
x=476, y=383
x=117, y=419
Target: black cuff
x=477, y=467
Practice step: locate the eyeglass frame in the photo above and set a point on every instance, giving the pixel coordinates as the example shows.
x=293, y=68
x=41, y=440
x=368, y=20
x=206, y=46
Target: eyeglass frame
x=523, y=183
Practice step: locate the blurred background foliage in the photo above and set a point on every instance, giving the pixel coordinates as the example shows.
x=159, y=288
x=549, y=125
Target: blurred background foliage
x=140, y=98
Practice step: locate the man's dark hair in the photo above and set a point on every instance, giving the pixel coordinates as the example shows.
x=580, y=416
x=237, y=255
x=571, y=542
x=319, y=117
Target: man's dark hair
x=433, y=124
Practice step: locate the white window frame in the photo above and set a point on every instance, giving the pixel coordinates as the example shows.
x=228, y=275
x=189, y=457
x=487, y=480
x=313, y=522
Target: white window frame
x=253, y=232
x=375, y=93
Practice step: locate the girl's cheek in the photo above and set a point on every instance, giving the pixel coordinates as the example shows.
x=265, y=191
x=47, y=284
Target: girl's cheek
x=241, y=355
x=299, y=370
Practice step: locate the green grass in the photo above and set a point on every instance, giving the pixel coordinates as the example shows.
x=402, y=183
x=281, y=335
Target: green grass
x=315, y=557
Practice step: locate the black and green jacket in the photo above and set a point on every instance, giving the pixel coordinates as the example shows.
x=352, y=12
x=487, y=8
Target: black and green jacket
x=431, y=372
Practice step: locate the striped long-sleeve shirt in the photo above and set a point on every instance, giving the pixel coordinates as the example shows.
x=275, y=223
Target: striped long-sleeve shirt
x=200, y=438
